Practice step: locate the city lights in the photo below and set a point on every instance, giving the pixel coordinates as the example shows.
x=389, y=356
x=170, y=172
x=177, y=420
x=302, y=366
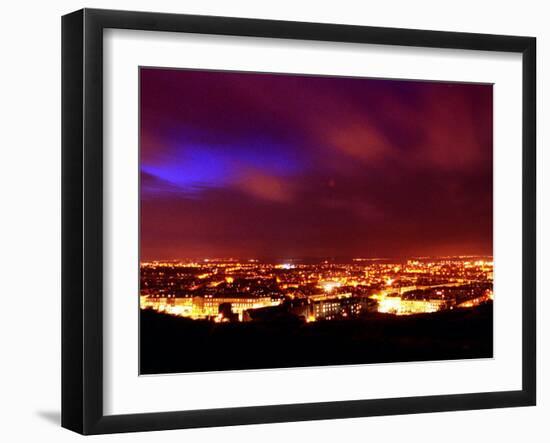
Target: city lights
x=227, y=290
x=329, y=286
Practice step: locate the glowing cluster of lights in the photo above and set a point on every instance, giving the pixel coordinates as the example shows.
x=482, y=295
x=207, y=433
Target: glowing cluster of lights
x=399, y=306
x=329, y=286
x=286, y=266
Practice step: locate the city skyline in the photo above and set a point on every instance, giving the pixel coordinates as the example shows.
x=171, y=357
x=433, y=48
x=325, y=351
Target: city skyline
x=252, y=288
x=255, y=165
x=273, y=259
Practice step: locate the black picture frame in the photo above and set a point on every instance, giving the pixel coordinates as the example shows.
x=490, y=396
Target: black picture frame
x=82, y=218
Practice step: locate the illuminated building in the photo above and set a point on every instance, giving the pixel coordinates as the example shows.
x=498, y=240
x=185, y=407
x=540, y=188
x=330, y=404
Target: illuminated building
x=209, y=306
x=170, y=305
x=400, y=306
x=339, y=306
x=326, y=309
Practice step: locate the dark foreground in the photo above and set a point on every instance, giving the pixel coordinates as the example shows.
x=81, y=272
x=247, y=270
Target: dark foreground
x=172, y=344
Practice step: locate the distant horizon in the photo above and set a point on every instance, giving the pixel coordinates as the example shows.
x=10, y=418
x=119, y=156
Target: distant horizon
x=283, y=259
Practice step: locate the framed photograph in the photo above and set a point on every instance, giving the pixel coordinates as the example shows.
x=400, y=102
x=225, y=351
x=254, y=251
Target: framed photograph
x=269, y=221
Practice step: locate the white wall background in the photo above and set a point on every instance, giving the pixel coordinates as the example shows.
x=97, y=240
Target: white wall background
x=30, y=93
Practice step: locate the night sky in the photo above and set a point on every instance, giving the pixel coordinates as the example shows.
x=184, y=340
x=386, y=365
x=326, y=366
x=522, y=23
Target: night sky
x=253, y=165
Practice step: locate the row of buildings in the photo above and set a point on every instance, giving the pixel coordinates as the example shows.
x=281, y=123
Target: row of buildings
x=320, y=306
x=260, y=308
